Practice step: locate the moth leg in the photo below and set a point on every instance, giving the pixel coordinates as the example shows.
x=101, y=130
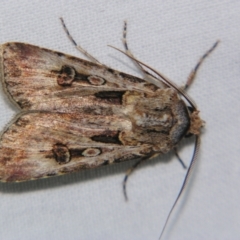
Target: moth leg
x=179, y=159
x=130, y=170
x=78, y=47
x=193, y=73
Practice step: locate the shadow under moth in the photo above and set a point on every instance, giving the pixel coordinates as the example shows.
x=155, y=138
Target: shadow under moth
x=77, y=114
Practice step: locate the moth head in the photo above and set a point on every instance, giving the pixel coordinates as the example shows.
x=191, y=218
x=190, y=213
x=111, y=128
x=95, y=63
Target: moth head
x=196, y=123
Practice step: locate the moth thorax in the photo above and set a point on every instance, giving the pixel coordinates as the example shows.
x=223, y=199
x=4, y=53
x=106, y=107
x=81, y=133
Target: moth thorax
x=196, y=123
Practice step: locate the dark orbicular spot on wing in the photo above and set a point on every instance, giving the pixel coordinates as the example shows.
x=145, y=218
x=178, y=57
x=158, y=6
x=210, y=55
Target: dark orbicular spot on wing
x=91, y=152
x=96, y=80
x=85, y=152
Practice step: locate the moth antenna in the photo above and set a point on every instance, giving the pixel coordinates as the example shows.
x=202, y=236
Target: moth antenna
x=125, y=187
x=184, y=184
x=127, y=50
x=179, y=159
x=193, y=73
x=166, y=80
x=78, y=47
x=67, y=32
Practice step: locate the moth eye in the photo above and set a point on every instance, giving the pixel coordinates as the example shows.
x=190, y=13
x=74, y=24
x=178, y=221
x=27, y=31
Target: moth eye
x=190, y=109
x=61, y=153
x=95, y=80
x=66, y=76
x=91, y=152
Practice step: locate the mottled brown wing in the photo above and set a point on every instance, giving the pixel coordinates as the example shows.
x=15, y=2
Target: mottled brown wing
x=40, y=79
x=38, y=145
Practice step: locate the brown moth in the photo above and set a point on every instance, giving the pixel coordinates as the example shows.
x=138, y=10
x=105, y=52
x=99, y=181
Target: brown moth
x=76, y=114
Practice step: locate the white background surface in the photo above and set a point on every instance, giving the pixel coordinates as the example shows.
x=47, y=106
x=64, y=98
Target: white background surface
x=169, y=36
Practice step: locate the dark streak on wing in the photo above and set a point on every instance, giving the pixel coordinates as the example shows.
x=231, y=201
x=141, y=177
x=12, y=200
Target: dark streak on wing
x=111, y=137
x=111, y=96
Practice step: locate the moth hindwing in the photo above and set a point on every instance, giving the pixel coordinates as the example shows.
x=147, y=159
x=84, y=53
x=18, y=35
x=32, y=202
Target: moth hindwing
x=75, y=114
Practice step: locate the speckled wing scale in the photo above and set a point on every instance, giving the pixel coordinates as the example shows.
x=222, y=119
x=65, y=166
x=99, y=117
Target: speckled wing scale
x=76, y=115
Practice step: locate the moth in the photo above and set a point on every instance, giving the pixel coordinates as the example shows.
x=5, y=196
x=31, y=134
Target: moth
x=76, y=114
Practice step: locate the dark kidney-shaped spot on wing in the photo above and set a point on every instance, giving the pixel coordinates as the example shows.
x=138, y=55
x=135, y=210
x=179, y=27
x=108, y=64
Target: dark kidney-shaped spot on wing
x=66, y=76
x=61, y=153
